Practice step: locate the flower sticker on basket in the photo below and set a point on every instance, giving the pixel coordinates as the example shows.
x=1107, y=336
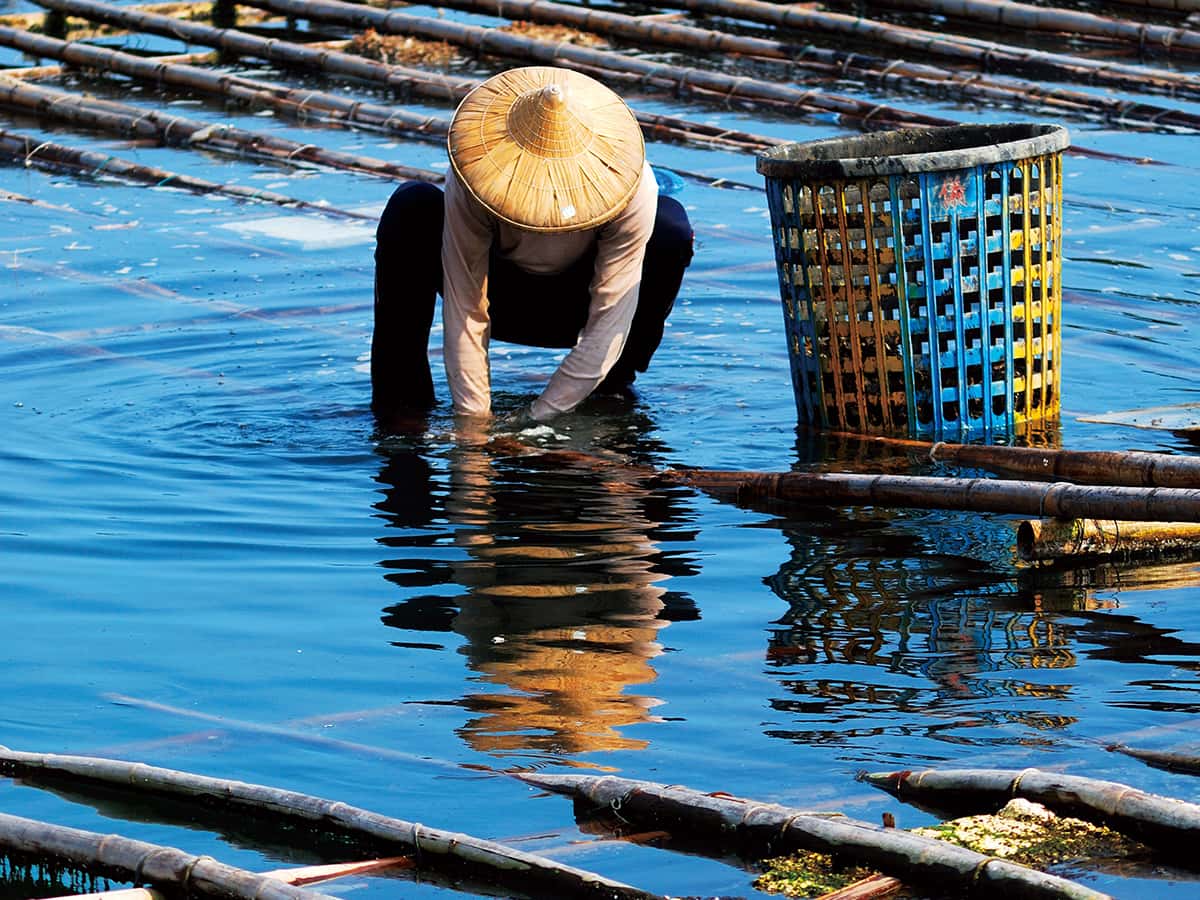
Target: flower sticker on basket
x=953, y=192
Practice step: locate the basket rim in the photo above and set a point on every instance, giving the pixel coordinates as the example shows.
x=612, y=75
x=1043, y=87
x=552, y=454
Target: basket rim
x=912, y=150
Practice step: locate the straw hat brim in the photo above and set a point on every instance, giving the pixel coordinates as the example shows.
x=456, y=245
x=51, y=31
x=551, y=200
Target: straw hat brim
x=547, y=149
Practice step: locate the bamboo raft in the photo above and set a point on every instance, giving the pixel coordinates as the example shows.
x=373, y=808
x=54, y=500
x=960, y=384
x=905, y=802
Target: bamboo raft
x=709, y=822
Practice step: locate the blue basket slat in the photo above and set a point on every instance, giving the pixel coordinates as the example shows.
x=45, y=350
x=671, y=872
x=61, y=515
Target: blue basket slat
x=946, y=275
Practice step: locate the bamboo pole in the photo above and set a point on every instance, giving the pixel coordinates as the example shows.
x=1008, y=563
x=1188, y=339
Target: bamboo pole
x=1135, y=468
x=34, y=73
x=1187, y=763
x=769, y=828
x=1039, y=540
x=1024, y=498
x=133, y=121
x=165, y=867
x=1030, y=498
x=1161, y=822
x=895, y=73
x=682, y=78
x=32, y=151
x=986, y=55
x=510, y=868
x=292, y=734
x=297, y=103
x=1023, y=16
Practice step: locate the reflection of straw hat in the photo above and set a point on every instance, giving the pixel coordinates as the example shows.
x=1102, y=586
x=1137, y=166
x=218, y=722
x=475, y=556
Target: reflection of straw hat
x=547, y=149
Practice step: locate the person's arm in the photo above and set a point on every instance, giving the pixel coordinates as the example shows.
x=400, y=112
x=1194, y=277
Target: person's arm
x=620, y=251
x=466, y=243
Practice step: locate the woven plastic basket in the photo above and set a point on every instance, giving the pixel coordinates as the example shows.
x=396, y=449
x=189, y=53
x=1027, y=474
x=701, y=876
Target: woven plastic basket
x=920, y=272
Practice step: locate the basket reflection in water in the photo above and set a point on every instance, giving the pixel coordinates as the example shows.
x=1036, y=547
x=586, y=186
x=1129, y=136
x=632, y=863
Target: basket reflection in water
x=920, y=273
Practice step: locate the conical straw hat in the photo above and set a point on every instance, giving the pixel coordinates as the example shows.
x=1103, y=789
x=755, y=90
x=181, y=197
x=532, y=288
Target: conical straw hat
x=547, y=149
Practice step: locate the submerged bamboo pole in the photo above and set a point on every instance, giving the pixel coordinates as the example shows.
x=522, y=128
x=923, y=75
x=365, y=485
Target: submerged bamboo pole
x=769, y=828
x=990, y=56
x=124, y=119
x=895, y=73
x=1187, y=763
x=510, y=868
x=1161, y=822
x=683, y=78
x=165, y=867
x=1039, y=540
x=1023, y=16
x=30, y=151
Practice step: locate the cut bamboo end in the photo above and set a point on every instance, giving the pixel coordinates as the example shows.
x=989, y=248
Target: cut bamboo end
x=1041, y=540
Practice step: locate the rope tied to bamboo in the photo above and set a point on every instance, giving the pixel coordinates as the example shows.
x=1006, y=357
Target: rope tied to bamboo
x=139, y=876
x=29, y=155
x=1015, y=784
x=1049, y=500
x=734, y=87
x=186, y=880
x=303, y=148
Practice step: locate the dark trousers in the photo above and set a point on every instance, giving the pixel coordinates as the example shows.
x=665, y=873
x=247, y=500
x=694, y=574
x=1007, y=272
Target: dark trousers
x=526, y=308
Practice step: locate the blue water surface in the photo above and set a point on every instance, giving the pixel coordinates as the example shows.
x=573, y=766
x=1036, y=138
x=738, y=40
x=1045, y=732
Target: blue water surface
x=214, y=558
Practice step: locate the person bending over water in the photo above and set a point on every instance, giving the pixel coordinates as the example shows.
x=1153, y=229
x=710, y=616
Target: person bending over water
x=550, y=233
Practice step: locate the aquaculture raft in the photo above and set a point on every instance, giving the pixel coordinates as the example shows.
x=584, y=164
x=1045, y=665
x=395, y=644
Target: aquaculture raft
x=920, y=277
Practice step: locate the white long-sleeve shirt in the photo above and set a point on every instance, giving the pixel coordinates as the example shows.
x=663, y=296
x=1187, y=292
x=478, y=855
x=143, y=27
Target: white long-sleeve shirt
x=468, y=237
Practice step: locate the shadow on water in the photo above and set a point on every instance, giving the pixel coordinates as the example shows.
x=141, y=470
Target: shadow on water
x=553, y=580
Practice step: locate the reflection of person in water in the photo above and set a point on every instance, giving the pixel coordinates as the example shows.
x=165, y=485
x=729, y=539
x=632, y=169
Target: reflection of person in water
x=563, y=600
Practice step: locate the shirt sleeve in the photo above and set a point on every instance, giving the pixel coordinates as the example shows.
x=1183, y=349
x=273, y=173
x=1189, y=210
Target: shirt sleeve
x=466, y=243
x=620, y=251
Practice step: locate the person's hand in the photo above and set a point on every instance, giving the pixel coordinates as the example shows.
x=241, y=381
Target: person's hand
x=516, y=420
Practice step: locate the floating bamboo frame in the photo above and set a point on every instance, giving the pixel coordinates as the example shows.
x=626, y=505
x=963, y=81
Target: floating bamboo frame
x=1146, y=36
x=988, y=56
x=896, y=73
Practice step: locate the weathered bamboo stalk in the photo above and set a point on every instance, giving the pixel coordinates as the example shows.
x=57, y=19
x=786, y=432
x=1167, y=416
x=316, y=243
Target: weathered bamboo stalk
x=513, y=869
x=833, y=63
x=124, y=119
x=1160, y=822
x=31, y=151
x=769, y=828
x=1187, y=763
x=298, y=103
x=407, y=80
x=1023, y=16
x=986, y=55
x=1023, y=498
x=502, y=43
x=1134, y=468
x=288, y=733
x=1039, y=540
x=165, y=867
